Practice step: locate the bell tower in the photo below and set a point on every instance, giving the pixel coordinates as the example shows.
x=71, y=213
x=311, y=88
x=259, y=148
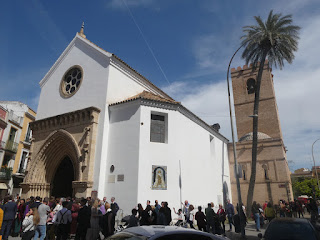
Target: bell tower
x=243, y=84
x=273, y=181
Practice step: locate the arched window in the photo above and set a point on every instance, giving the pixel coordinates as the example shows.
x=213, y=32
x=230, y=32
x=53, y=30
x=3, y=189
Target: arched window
x=251, y=85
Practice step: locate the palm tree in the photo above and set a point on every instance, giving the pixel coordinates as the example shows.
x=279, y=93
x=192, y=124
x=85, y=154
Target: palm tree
x=275, y=40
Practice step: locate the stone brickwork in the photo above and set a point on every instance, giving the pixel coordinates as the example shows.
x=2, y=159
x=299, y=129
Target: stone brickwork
x=273, y=181
x=71, y=134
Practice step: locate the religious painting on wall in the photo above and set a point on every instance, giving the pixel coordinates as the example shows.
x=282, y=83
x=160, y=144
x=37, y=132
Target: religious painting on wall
x=159, y=177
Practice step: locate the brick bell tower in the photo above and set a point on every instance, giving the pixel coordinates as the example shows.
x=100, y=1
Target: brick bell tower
x=273, y=181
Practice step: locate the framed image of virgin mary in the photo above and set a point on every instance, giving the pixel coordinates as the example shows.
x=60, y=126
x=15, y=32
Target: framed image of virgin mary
x=159, y=177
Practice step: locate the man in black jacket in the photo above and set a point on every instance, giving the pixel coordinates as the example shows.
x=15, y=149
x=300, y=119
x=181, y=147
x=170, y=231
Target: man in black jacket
x=10, y=210
x=83, y=220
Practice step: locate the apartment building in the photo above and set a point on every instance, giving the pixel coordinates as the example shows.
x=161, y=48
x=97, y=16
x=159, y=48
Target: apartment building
x=15, y=136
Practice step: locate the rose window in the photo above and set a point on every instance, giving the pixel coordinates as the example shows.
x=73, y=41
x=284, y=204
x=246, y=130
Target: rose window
x=71, y=81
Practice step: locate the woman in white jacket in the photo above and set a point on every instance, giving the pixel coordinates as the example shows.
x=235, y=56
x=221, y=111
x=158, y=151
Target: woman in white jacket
x=31, y=219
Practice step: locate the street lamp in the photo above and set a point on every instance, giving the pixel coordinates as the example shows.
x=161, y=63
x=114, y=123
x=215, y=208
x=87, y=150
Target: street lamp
x=314, y=163
x=236, y=170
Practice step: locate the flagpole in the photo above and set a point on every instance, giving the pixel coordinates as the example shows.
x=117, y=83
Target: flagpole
x=180, y=183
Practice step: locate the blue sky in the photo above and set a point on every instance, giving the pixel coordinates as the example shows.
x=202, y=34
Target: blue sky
x=191, y=40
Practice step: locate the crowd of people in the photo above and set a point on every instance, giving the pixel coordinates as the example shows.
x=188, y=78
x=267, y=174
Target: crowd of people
x=57, y=218
x=295, y=209
x=207, y=220
x=62, y=218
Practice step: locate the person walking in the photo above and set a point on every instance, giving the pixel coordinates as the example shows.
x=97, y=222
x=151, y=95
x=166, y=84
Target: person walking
x=108, y=221
x=313, y=208
x=256, y=214
x=83, y=220
x=63, y=220
x=9, y=209
x=74, y=214
x=161, y=219
x=29, y=223
x=114, y=206
x=167, y=213
x=144, y=220
x=299, y=208
x=210, y=214
x=1, y=217
x=230, y=214
x=93, y=231
x=140, y=211
x=282, y=209
x=191, y=216
x=156, y=207
x=269, y=212
x=185, y=210
x=20, y=216
x=43, y=209
x=201, y=220
x=222, y=218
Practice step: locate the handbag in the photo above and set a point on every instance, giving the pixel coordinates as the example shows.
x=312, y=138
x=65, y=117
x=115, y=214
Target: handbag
x=28, y=235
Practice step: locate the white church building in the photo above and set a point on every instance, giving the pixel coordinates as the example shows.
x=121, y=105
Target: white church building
x=102, y=129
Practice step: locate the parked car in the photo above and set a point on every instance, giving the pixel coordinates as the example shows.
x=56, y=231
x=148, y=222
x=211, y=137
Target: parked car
x=290, y=229
x=163, y=233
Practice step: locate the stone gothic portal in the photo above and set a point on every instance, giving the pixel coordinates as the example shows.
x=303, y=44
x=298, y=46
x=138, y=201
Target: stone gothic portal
x=62, y=181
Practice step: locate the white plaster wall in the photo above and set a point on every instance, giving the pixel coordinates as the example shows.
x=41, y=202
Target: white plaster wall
x=92, y=91
x=123, y=153
x=121, y=86
x=201, y=165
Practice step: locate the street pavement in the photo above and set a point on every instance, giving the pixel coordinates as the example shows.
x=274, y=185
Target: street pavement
x=251, y=233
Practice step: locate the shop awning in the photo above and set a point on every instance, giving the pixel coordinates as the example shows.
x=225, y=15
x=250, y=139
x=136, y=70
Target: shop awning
x=3, y=186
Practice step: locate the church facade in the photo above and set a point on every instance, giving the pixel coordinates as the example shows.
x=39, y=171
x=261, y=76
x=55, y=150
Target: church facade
x=273, y=182
x=102, y=129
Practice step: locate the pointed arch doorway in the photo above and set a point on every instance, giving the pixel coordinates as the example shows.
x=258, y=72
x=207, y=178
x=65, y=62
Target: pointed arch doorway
x=61, y=185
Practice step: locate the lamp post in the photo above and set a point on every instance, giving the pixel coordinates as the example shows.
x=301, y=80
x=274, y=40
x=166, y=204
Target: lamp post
x=314, y=163
x=236, y=169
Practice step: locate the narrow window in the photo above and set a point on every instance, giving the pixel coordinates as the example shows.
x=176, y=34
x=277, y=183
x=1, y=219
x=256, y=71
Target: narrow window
x=251, y=85
x=23, y=162
x=244, y=174
x=158, y=128
x=265, y=168
x=266, y=174
x=28, y=135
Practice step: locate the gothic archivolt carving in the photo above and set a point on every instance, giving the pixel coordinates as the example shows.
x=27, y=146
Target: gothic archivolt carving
x=64, y=135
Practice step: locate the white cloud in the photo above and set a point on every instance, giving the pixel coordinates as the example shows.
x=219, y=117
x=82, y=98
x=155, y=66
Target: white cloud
x=296, y=86
x=207, y=101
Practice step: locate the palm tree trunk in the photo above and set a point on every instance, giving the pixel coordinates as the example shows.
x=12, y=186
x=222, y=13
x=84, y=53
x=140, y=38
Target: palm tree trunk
x=255, y=136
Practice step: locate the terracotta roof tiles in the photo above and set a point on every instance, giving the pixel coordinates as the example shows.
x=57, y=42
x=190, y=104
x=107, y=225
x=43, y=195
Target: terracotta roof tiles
x=148, y=96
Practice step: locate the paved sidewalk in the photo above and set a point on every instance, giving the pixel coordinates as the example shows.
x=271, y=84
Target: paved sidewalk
x=251, y=232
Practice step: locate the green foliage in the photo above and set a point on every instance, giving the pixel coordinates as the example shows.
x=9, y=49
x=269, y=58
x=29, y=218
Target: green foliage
x=276, y=36
x=307, y=186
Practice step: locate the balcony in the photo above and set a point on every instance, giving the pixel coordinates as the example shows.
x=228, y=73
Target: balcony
x=14, y=118
x=9, y=146
x=5, y=173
